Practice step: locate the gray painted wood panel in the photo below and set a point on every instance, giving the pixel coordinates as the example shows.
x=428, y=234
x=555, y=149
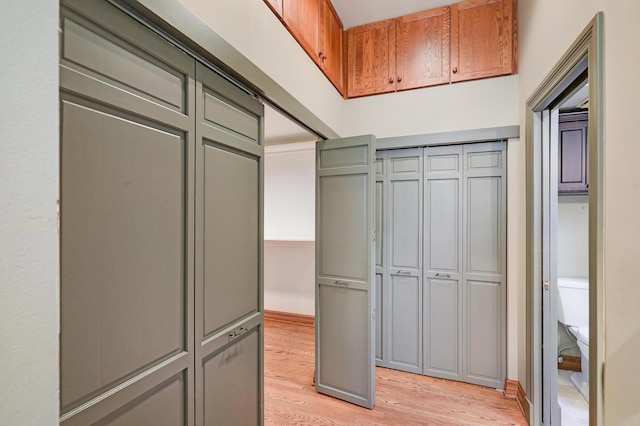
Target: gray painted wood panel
x=127, y=191
x=380, y=258
x=443, y=251
x=230, y=237
x=229, y=251
x=345, y=269
x=484, y=260
x=403, y=272
x=232, y=383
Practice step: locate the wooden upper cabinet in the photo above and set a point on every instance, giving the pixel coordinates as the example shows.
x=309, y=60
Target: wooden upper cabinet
x=482, y=39
x=423, y=49
x=330, y=49
x=276, y=6
x=301, y=16
x=371, y=61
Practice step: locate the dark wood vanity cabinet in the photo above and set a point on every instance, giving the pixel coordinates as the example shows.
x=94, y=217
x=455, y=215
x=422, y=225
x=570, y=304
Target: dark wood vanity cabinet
x=573, y=154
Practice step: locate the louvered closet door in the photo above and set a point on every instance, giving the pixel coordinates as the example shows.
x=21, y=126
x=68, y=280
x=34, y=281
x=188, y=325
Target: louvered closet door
x=229, y=327
x=442, y=262
x=403, y=272
x=127, y=191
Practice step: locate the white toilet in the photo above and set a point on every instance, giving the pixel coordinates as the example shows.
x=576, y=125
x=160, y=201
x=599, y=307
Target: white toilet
x=573, y=311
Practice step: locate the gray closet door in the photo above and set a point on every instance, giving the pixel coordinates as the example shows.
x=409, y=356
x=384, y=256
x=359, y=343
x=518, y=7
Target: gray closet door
x=229, y=205
x=127, y=186
x=345, y=273
x=403, y=269
x=442, y=261
x=380, y=258
x=483, y=260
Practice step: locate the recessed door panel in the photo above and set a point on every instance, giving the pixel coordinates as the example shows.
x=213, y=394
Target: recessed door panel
x=444, y=328
x=123, y=283
x=443, y=226
x=344, y=205
x=162, y=406
x=484, y=218
x=405, y=332
x=406, y=217
x=231, y=240
x=483, y=342
x=232, y=383
x=380, y=335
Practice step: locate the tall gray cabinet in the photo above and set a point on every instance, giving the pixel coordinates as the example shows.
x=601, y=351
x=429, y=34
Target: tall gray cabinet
x=161, y=231
x=453, y=317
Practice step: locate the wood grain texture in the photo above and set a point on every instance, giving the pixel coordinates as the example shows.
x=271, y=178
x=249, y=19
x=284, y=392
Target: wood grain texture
x=371, y=59
x=289, y=317
x=481, y=39
x=301, y=18
x=402, y=398
x=423, y=48
x=571, y=363
x=330, y=46
x=276, y=6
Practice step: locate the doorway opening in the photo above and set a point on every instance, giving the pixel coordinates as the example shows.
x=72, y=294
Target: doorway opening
x=564, y=237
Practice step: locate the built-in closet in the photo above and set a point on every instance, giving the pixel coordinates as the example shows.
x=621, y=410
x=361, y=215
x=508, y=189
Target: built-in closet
x=440, y=261
x=161, y=230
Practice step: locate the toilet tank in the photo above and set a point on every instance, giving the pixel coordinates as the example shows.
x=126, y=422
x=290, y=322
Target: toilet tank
x=573, y=301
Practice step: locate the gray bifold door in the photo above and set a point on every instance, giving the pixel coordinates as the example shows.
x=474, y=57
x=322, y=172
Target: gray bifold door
x=464, y=263
x=399, y=259
x=345, y=313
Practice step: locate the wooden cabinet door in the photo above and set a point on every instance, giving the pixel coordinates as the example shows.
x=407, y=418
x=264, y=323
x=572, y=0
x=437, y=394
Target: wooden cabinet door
x=276, y=6
x=482, y=42
x=423, y=49
x=371, y=59
x=572, y=154
x=330, y=49
x=301, y=17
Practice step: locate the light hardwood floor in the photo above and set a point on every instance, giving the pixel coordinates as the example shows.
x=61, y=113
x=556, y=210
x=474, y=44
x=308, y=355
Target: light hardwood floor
x=401, y=398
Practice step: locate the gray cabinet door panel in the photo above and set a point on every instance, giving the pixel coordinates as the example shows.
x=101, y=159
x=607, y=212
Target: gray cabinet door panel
x=229, y=211
x=403, y=272
x=163, y=406
x=380, y=258
x=443, y=338
x=231, y=242
x=443, y=251
x=126, y=290
x=484, y=275
x=345, y=269
x=405, y=333
x=232, y=382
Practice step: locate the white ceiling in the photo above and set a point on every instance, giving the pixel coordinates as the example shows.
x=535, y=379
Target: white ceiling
x=359, y=12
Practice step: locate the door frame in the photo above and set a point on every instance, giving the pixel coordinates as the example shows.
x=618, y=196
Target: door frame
x=585, y=53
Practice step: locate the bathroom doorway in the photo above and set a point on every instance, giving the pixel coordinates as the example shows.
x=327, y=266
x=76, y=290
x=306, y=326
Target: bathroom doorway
x=564, y=236
x=565, y=257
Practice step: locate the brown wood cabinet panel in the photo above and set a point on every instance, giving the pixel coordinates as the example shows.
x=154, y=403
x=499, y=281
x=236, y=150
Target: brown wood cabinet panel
x=572, y=154
x=371, y=61
x=482, y=39
x=301, y=17
x=423, y=49
x=276, y=6
x=330, y=51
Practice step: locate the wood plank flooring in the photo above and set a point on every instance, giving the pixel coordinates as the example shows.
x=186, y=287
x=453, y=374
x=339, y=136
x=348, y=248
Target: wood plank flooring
x=401, y=398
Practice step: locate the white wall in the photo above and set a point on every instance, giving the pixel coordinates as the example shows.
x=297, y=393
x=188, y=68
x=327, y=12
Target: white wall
x=547, y=29
x=289, y=219
x=477, y=104
x=573, y=237
x=29, y=256
x=289, y=192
